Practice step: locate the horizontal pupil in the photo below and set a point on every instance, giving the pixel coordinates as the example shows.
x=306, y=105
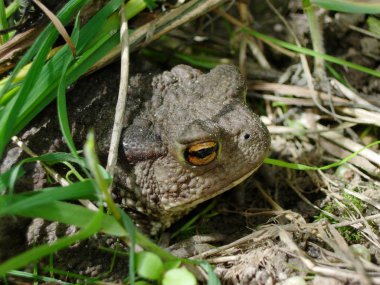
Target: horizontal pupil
x=202, y=153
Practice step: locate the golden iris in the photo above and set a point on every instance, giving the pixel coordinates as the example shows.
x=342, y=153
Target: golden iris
x=201, y=153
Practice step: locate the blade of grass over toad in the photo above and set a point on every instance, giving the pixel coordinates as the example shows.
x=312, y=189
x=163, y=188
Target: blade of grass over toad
x=8, y=179
x=40, y=251
x=79, y=190
x=311, y=52
x=79, y=216
x=298, y=166
x=350, y=6
x=70, y=214
x=120, y=216
x=99, y=182
x=41, y=48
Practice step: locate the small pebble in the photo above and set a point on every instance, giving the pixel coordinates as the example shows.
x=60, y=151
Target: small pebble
x=361, y=251
x=295, y=280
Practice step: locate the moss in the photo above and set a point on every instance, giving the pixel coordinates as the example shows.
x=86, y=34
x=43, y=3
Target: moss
x=350, y=234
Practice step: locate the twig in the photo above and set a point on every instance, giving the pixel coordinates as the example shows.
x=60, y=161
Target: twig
x=236, y=22
x=248, y=40
x=122, y=98
x=298, y=91
x=323, y=270
x=352, y=95
x=302, y=57
x=363, y=198
x=365, y=32
x=344, y=142
x=160, y=26
x=316, y=34
x=350, y=223
x=341, y=153
x=57, y=24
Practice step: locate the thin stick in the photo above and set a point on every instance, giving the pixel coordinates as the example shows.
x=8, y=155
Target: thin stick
x=122, y=98
x=162, y=25
x=58, y=25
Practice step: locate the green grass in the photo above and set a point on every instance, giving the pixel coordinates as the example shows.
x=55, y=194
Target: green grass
x=303, y=167
x=40, y=85
x=350, y=6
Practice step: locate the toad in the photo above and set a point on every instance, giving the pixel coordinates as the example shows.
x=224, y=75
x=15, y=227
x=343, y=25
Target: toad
x=189, y=136
x=193, y=138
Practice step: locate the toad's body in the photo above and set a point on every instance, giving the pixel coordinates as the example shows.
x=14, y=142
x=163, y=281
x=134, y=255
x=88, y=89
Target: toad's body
x=192, y=138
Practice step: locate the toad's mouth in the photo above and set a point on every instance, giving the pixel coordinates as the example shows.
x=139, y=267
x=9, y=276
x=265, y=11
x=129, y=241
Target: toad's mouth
x=180, y=206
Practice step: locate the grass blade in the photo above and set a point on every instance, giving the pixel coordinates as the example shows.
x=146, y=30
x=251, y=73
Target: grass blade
x=3, y=22
x=13, y=204
x=299, y=166
x=130, y=226
x=61, y=97
x=57, y=24
x=350, y=6
x=40, y=251
x=311, y=52
x=40, y=48
x=70, y=214
x=8, y=179
x=91, y=29
x=48, y=280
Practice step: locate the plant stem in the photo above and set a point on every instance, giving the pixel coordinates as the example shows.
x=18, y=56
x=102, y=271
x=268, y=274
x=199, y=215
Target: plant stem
x=3, y=22
x=12, y=8
x=316, y=37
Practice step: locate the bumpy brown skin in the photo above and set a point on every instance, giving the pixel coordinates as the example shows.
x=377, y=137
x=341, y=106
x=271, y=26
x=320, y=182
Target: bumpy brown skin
x=187, y=107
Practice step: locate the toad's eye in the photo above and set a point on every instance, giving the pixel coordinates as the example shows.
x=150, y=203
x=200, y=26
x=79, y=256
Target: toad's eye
x=201, y=153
